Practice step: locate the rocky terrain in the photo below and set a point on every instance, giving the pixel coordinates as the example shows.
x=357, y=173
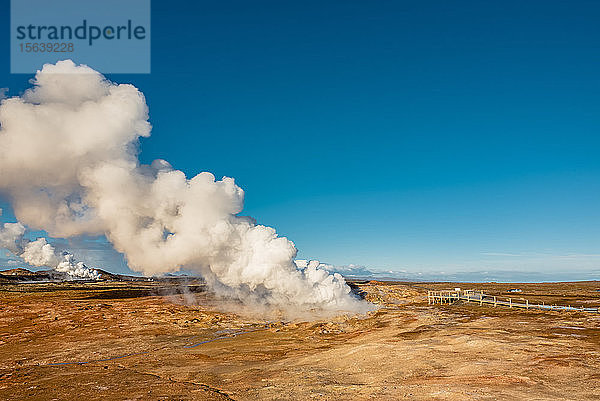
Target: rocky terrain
x=172, y=340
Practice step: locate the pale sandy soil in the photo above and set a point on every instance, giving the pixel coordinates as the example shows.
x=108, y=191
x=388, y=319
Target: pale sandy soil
x=405, y=350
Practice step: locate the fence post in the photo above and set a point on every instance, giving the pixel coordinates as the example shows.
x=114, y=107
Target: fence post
x=527, y=303
x=494, y=301
x=510, y=302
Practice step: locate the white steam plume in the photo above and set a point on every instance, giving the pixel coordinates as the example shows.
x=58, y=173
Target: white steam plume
x=41, y=253
x=76, y=269
x=69, y=166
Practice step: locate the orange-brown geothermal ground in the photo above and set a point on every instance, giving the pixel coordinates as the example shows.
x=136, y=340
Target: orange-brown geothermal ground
x=134, y=341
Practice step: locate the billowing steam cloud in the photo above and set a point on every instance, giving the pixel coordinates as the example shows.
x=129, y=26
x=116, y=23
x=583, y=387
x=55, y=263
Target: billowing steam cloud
x=68, y=163
x=11, y=235
x=39, y=253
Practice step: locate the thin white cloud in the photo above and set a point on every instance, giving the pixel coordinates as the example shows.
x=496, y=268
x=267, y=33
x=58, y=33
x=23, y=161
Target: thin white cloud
x=543, y=255
x=501, y=254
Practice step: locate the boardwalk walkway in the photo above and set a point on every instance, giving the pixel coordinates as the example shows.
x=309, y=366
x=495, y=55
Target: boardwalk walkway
x=450, y=297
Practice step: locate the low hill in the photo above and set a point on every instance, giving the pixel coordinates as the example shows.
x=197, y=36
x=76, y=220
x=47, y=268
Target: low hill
x=17, y=272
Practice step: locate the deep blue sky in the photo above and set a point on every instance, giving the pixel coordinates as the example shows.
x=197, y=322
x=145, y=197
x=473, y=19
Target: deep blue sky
x=427, y=135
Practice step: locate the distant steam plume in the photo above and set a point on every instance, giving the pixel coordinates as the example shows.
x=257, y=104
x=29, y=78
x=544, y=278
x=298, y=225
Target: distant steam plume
x=68, y=164
x=41, y=253
x=76, y=269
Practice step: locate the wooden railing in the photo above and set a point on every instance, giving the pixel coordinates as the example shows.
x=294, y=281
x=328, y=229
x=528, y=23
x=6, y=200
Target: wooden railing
x=450, y=297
